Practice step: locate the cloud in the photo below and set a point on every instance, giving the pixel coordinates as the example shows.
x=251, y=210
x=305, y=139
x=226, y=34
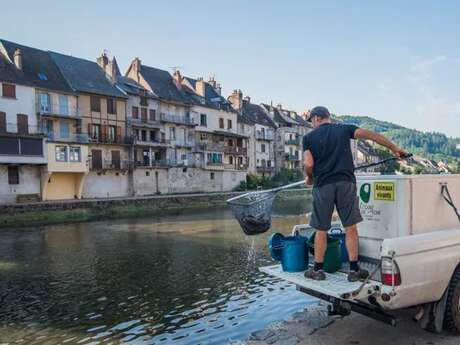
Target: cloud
x=423, y=67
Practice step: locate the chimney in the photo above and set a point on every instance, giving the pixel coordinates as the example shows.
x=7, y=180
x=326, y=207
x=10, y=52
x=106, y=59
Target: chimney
x=110, y=67
x=178, y=79
x=200, y=87
x=103, y=61
x=136, y=66
x=279, y=106
x=212, y=82
x=219, y=89
x=247, y=99
x=18, y=58
x=236, y=99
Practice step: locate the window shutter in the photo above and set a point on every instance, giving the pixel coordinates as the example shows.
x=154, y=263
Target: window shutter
x=119, y=134
x=2, y=122
x=23, y=124
x=90, y=132
x=104, y=133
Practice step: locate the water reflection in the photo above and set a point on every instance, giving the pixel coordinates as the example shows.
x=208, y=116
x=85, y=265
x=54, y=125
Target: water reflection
x=176, y=279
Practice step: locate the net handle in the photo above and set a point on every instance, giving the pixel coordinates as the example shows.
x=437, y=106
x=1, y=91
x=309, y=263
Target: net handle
x=274, y=190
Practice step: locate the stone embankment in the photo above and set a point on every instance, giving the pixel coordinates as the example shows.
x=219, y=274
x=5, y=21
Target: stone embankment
x=65, y=211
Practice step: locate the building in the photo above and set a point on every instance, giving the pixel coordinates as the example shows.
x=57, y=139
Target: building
x=223, y=152
x=101, y=110
x=263, y=133
x=290, y=129
x=23, y=154
x=364, y=154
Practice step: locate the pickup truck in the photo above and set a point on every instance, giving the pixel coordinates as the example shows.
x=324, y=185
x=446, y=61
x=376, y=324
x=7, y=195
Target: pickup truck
x=410, y=242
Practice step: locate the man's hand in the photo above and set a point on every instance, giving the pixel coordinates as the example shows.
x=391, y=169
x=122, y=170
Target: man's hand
x=308, y=181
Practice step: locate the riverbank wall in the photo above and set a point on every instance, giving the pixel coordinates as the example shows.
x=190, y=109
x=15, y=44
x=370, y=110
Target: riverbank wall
x=68, y=211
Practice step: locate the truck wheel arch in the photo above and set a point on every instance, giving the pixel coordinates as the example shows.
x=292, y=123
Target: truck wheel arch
x=452, y=312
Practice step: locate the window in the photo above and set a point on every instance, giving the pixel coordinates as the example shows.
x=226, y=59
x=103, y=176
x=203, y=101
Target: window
x=95, y=131
x=221, y=123
x=44, y=100
x=61, y=153
x=63, y=105
x=64, y=129
x=144, y=102
x=152, y=115
x=135, y=113
x=95, y=104
x=112, y=135
x=230, y=142
x=136, y=134
x=144, y=114
x=111, y=106
x=9, y=90
x=262, y=147
x=96, y=159
x=229, y=124
x=13, y=175
x=212, y=176
x=269, y=163
x=116, y=162
x=172, y=133
x=230, y=160
x=203, y=120
x=74, y=154
x=144, y=135
x=2, y=122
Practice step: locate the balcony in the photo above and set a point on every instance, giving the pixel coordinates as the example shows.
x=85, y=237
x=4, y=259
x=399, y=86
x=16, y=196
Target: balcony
x=265, y=169
x=182, y=143
x=165, y=163
x=71, y=138
x=236, y=150
x=183, y=120
x=57, y=110
x=154, y=143
x=108, y=164
x=293, y=141
x=210, y=147
x=241, y=167
x=21, y=150
x=260, y=135
x=120, y=140
x=144, y=123
x=292, y=158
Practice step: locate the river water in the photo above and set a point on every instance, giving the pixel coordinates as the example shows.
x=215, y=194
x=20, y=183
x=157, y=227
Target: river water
x=182, y=278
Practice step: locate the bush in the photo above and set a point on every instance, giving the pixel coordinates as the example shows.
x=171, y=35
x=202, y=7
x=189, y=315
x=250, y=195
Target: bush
x=285, y=176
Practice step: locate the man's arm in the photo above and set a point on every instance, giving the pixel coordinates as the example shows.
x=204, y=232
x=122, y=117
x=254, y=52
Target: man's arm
x=365, y=134
x=308, y=166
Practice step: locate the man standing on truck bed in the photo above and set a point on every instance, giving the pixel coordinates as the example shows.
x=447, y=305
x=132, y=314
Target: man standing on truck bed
x=329, y=167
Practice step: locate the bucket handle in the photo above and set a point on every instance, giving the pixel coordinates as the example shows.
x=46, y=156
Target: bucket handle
x=336, y=231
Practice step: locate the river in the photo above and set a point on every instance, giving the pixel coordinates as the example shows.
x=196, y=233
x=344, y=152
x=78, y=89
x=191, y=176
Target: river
x=182, y=278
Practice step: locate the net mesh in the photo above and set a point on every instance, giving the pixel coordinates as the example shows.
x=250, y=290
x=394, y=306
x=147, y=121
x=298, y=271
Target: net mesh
x=254, y=211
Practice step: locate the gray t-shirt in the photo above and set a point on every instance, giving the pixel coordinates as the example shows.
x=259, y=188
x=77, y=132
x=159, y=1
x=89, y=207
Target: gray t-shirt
x=331, y=149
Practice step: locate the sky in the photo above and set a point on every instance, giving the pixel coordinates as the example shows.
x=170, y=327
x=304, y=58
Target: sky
x=397, y=61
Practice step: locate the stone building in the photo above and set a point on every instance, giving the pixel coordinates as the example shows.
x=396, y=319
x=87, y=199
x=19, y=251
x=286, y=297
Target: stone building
x=102, y=117
x=221, y=149
x=263, y=153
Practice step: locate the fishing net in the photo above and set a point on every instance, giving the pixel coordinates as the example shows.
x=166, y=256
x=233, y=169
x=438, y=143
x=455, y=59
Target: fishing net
x=253, y=211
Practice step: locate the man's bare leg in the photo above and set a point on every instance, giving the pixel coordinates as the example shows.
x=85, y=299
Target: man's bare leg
x=352, y=242
x=320, y=246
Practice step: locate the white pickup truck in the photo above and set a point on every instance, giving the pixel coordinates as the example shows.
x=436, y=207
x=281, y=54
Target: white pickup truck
x=410, y=241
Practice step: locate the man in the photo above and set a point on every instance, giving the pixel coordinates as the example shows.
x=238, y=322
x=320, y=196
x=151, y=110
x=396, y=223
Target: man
x=329, y=167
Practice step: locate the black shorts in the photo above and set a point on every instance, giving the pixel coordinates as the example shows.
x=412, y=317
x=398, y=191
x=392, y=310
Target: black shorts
x=343, y=195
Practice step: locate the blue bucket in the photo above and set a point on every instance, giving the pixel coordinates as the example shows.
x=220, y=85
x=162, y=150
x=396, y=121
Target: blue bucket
x=290, y=250
x=339, y=234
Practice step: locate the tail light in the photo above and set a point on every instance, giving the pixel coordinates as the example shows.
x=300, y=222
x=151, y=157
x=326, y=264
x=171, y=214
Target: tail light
x=390, y=272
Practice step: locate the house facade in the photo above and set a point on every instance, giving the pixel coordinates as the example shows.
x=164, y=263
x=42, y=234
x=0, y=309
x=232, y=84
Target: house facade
x=102, y=118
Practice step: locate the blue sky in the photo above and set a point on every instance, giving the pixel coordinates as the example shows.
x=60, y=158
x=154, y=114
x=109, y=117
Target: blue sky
x=393, y=60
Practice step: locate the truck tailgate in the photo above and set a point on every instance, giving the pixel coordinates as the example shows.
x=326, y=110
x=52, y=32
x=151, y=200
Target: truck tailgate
x=336, y=284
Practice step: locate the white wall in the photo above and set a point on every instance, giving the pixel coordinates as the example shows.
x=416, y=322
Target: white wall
x=29, y=183
x=213, y=116
x=106, y=185
x=23, y=104
x=147, y=185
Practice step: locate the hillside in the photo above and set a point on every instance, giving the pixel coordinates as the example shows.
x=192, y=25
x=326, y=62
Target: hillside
x=431, y=145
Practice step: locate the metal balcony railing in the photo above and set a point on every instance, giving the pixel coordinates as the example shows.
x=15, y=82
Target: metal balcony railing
x=265, y=135
x=264, y=168
x=108, y=164
x=144, y=122
x=212, y=147
x=71, y=138
x=292, y=158
x=236, y=166
x=15, y=129
x=236, y=150
x=123, y=140
x=180, y=119
x=183, y=143
x=214, y=164
x=293, y=141
x=155, y=142
x=56, y=109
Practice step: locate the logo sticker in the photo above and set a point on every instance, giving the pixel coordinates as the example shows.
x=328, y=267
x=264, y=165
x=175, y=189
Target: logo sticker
x=365, y=192
x=384, y=191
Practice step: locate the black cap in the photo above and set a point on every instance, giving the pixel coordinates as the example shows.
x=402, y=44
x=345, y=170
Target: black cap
x=318, y=111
